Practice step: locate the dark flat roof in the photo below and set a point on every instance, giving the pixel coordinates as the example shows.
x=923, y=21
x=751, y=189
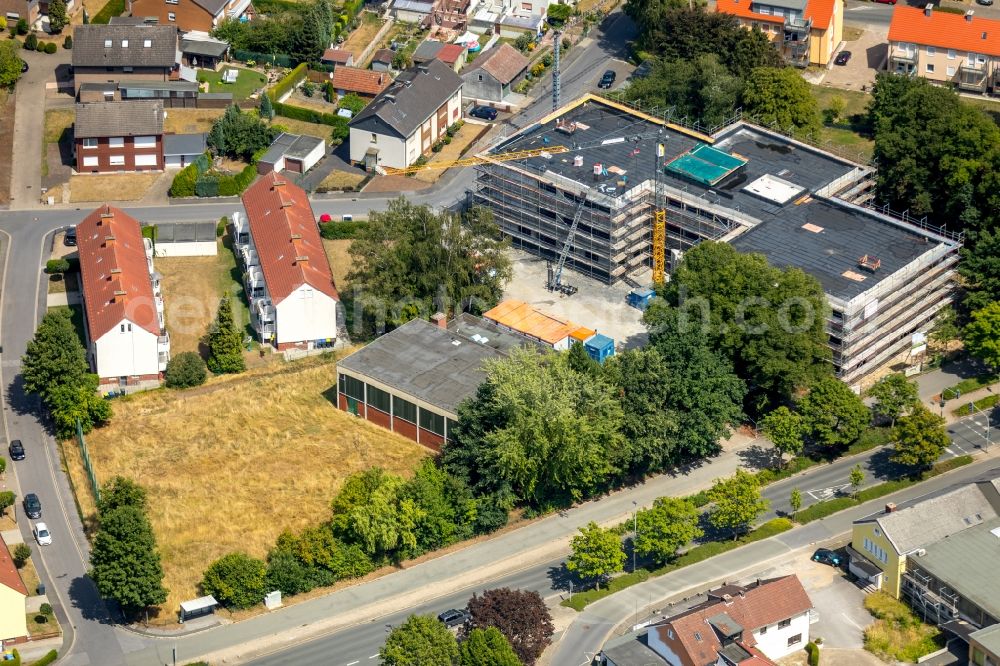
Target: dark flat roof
x=185, y=232
x=184, y=144
x=632, y=650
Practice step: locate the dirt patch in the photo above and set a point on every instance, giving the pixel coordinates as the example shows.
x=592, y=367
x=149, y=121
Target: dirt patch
x=314, y=103
x=363, y=35
x=184, y=121
x=192, y=288
x=7, y=103
x=230, y=469
x=341, y=180
x=395, y=184
x=117, y=187
x=338, y=253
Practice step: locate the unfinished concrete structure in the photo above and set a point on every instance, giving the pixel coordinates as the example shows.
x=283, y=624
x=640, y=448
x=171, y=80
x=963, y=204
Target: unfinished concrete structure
x=885, y=278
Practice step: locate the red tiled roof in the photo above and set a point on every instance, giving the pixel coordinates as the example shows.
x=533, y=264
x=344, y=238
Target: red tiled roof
x=764, y=603
x=114, y=272
x=8, y=572
x=286, y=238
x=741, y=9
x=450, y=53
x=503, y=62
x=946, y=31
x=337, y=56
x=821, y=12
x=384, y=55
x=362, y=81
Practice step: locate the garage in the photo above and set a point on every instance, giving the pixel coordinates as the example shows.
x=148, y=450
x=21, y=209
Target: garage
x=180, y=150
x=864, y=570
x=293, y=153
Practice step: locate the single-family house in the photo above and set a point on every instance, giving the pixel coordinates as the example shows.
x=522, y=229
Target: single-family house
x=127, y=343
x=411, y=11
x=807, y=32
x=737, y=625
x=188, y=15
x=15, y=10
x=293, y=153
x=453, y=55
x=426, y=51
x=407, y=118
x=200, y=50
x=337, y=57
x=945, y=47
x=362, y=82
x=119, y=53
x=180, y=150
x=382, y=60
x=293, y=300
x=13, y=593
x=492, y=75
x=119, y=136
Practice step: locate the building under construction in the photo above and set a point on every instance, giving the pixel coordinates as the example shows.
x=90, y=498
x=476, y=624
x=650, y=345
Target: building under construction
x=590, y=204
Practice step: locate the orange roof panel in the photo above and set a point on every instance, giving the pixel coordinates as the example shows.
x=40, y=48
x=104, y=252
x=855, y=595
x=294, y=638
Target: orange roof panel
x=521, y=317
x=947, y=31
x=583, y=334
x=742, y=9
x=820, y=12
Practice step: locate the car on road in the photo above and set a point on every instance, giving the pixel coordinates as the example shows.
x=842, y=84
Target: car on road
x=454, y=617
x=484, y=112
x=42, y=535
x=32, y=506
x=16, y=450
x=985, y=3
x=827, y=556
x=842, y=58
x=69, y=240
x=608, y=79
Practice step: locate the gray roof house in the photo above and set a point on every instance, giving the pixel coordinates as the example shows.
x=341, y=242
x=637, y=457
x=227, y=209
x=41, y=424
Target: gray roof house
x=493, y=74
x=292, y=152
x=107, y=53
x=135, y=118
x=427, y=51
x=410, y=116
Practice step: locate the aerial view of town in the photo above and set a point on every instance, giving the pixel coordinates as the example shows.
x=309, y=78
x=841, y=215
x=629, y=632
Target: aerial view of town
x=500, y=332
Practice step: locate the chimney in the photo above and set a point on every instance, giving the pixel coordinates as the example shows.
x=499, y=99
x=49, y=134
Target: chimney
x=441, y=319
x=890, y=507
x=968, y=15
x=927, y=9
x=109, y=241
x=303, y=259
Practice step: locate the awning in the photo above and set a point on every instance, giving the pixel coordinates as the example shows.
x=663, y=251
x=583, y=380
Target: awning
x=861, y=562
x=959, y=628
x=199, y=604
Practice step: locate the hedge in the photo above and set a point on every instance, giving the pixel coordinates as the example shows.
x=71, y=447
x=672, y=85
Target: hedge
x=49, y=657
x=279, y=59
x=813, y=651
x=287, y=84
x=341, y=230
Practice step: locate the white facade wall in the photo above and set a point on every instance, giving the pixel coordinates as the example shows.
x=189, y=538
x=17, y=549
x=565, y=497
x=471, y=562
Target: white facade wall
x=391, y=150
x=774, y=641
x=187, y=249
x=661, y=648
x=306, y=315
x=314, y=156
x=126, y=353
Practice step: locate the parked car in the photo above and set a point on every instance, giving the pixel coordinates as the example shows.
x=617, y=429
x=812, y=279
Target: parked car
x=69, y=240
x=454, y=617
x=16, y=450
x=42, y=535
x=32, y=506
x=887, y=2
x=844, y=57
x=484, y=112
x=986, y=3
x=608, y=79
x=827, y=556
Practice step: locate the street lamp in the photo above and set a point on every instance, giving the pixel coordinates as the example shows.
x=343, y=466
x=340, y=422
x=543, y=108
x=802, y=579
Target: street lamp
x=635, y=530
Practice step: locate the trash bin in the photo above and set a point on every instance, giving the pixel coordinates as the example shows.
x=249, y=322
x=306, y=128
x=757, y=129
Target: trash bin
x=41, y=588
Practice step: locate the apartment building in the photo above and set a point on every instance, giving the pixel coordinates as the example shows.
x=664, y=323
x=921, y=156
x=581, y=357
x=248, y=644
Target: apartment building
x=118, y=53
x=807, y=32
x=119, y=136
x=946, y=48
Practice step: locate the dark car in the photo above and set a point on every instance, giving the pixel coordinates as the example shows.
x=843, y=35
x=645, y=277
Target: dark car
x=16, y=450
x=484, y=112
x=32, y=506
x=69, y=239
x=827, y=556
x=842, y=58
x=454, y=617
x=987, y=3
x=608, y=79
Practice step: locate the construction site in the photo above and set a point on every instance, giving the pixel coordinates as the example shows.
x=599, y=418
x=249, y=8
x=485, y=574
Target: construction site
x=610, y=192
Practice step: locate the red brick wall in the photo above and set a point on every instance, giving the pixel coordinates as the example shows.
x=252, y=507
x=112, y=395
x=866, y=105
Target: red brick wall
x=405, y=428
x=188, y=15
x=113, y=381
x=342, y=401
x=380, y=418
x=104, y=151
x=430, y=440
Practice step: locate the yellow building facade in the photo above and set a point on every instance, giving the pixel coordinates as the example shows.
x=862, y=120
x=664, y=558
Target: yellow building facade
x=807, y=32
x=867, y=538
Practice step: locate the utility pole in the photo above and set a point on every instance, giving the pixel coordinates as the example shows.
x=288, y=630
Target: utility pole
x=635, y=530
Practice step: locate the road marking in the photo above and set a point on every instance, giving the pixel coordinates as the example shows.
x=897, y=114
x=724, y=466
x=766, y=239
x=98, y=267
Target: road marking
x=354, y=662
x=374, y=656
x=949, y=451
x=858, y=626
x=821, y=494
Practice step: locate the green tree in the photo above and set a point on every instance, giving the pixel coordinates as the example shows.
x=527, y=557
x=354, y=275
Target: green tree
x=444, y=507
x=980, y=268
x=239, y=135
x=920, y=438
x=945, y=328
x=520, y=615
x=77, y=403
x=266, y=108
x=353, y=103
x=124, y=560
x=737, y=503
x=700, y=88
x=670, y=524
x=55, y=356
x=857, y=478
x=597, y=553
x=785, y=430
x=10, y=63
x=833, y=414
x=487, y=647
x=57, y=16
x=580, y=361
x=982, y=335
x=894, y=395
x=121, y=492
x=7, y=499
x=225, y=342
x=781, y=96
x=22, y=552
x=236, y=580
x=795, y=500
x=371, y=511
x=185, y=370
x=421, y=640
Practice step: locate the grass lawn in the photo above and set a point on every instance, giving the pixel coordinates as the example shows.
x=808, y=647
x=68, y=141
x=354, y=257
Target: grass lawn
x=338, y=180
x=340, y=260
x=464, y=138
x=970, y=384
x=852, y=34
x=6, y=142
x=247, y=83
x=181, y=121
x=898, y=634
x=841, y=134
x=230, y=465
x=57, y=123
x=302, y=127
x=116, y=187
x=981, y=405
x=363, y=35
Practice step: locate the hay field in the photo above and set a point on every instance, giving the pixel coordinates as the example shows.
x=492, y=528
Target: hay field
x=230, y=465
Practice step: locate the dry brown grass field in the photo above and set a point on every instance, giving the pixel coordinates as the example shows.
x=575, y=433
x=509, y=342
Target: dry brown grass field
x=229, y=465
x=116, y=187
x=338, y=252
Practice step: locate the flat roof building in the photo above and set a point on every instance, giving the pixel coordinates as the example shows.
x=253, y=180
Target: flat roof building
x=612, y=166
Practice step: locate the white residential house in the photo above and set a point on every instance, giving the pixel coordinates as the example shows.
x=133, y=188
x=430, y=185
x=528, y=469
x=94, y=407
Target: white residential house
x=287, y=277
x=128, y=345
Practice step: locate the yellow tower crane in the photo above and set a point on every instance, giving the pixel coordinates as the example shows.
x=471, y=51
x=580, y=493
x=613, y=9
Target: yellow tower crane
x=659, y=223
x=479, y=159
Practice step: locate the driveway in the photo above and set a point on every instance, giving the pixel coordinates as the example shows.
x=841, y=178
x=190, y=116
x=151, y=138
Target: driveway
x=867, y=55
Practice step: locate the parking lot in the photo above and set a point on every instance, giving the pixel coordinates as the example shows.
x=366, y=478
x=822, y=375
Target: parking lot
x=868, y=52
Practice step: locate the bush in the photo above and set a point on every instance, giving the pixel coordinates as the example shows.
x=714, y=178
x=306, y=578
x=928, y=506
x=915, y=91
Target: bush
x=22, y=27
x=49, y=657
x=41, y=619
x=236, y=580
x=308, y=89
x=287, y=84
x=341, y=230
x=220, y=228
x=51, y=48
x=68, y=42
x=45, y=609
x=813, y=653
x=30, y=42
x=53, y=266
x=185, y=370
x=184, y=182
x=22, y=552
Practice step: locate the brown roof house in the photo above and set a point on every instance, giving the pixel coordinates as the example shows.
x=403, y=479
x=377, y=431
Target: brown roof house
x=119, y=136
x=738, y=625
x=363, y=82
x=192, y=15
x=337, y=57
x=493, y=74
x=116, y=53
x=382, y=60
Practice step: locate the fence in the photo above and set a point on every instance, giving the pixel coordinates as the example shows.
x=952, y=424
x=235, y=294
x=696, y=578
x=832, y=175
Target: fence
x=362, y=59
x=88, y=467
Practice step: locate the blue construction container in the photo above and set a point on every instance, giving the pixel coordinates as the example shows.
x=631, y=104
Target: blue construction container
x=640, y=298
x=599, y=347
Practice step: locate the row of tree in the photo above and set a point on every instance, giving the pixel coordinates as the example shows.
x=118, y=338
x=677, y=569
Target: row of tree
x=302, y=34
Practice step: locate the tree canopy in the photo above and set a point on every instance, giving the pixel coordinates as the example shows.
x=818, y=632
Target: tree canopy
x=236, y=580
x=894, y=395
x=833, y=414
x=520, y=615
x=982, y=335
x=302, y=33
x=737, y=502
x=669, y=525
x=780, y=95
x=597, y=553
x=487, y=647
x=10, y=63
x=225, y=341
x=419, y=641
x=920, y=438
x=239, y=135
x=785, y=430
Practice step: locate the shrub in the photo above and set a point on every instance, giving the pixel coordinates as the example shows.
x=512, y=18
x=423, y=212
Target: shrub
x=813, y=653
x=220, y=228
x=49, y=657
x=184, y=182
x=341, y=230
x=185, y=370
x=236, y=580
x=287, y=84
x=53, y=266
x=22, y=552
x=68, y=42
x=41, y=619
x=22, y=27
x=30, y=42
x=45, y=609
x=308, y=89
x=51, y=48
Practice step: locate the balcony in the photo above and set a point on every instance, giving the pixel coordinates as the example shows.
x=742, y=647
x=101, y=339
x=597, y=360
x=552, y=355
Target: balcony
x=163, y=350
x=248, y=255
x=253, y=282
x=903, y=61
x=972, y=77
